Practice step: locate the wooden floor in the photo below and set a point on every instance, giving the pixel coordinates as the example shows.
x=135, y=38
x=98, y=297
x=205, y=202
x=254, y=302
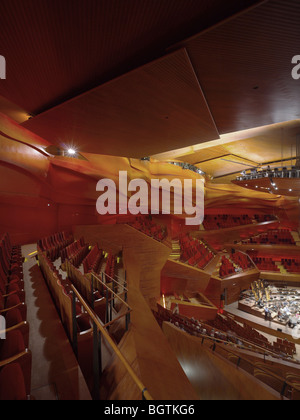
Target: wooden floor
x=55, y=372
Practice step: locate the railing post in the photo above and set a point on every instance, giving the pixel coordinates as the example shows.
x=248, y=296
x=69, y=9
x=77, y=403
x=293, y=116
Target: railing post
x=114, y=290
x=74, y=325
x=283, y=389
x=92, y=291
x=107, y=313
x=127, y=320
x=143, y=394
x=125, y=284
x=110, y=308
x=96, y=363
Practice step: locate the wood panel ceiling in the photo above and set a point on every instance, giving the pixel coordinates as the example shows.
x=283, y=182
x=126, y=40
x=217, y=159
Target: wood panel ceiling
x=154, y=108
x=244, y=67
x=138, y=78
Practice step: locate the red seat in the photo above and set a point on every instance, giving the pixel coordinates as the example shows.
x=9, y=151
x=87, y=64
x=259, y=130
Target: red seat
x=12, y=383
x=12, y=345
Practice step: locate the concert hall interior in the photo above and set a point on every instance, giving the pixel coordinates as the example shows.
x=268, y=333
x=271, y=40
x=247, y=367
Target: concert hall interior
x=144, y=305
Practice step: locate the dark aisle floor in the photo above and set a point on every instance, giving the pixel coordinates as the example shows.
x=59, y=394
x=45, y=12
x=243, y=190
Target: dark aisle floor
x=55, y=371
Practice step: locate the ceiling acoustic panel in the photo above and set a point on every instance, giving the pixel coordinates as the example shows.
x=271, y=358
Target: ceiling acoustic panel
x=245, y=67
x=56, y=50
x=153, y=109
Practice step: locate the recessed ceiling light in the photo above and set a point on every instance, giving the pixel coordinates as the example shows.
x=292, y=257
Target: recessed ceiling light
x=290, y=190
x=71, y=151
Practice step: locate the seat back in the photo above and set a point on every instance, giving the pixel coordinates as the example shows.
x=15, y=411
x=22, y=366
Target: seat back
x=12, y=383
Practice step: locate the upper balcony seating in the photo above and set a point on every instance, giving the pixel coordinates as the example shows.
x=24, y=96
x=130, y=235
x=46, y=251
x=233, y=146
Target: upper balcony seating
x=223, y=221
x=261, y=218
x=150, y=228
x=195, y=252
x=284, y=172
x=272, y=237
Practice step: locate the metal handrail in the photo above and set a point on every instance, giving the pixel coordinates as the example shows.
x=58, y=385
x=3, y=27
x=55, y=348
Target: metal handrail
x=108, y=288
x=114, y=280
x=145, y=394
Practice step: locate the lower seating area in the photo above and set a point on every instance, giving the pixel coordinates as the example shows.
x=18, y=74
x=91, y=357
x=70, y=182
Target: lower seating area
x=195, y=252
x=292, y=265
x=266, y=264
x=15, y=355
x=146, y=225
x=224, y=323
x=224, y=330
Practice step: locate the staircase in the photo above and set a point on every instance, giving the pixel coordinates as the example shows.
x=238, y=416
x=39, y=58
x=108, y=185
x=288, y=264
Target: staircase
x=175, y=253
x=281, y=268
x=296, y=237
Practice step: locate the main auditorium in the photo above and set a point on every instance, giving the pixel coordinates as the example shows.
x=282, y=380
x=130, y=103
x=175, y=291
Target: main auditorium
x=110, y=290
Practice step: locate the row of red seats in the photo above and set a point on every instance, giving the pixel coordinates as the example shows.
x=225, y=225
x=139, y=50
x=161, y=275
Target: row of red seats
x=54, y=244
x=110, y=266
x=194, y=252
x=291, y=265
x=244, y=332
x=92, y=262
x=242, y=260
x=226, y=268
x=148, y=227
x=223, y=221
x=261, y=218
x=265, y=264
x=75, y=252
x=15, y=357
x=273, y=237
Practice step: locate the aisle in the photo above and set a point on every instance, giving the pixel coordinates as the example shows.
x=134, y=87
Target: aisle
x=55, y=372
